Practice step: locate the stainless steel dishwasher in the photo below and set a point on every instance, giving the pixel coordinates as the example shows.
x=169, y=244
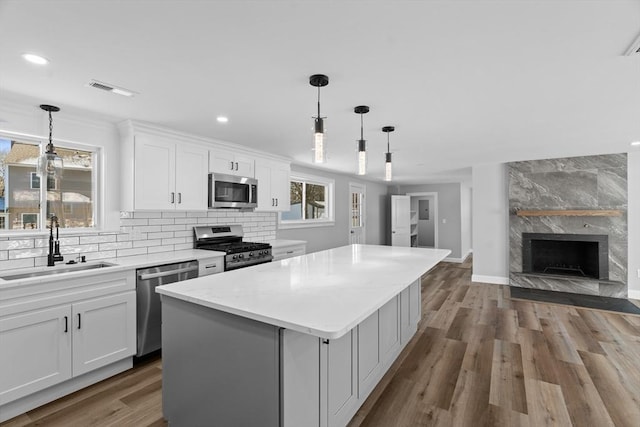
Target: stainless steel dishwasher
x=148, y=307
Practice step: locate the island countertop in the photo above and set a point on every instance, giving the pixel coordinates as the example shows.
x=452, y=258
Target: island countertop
x=324, y=293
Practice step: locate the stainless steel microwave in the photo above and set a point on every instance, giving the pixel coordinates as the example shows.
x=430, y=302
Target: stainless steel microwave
x=230, y=191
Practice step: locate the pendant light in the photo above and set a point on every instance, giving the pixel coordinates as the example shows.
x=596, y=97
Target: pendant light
x=50, y=165
x=362, y=144
x=387, y=165
x=318, y=80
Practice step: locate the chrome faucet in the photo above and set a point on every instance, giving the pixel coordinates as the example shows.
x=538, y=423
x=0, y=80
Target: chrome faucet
x=54, y=246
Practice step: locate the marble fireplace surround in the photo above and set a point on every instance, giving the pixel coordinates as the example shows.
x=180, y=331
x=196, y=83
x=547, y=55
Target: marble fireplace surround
x=584, y=184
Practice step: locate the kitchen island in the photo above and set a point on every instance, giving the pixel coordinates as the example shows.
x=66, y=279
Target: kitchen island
x=298, y=342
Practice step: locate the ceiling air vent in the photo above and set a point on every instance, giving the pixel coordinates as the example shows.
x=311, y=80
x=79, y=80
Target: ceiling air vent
x=110, y=88
x=634, y=49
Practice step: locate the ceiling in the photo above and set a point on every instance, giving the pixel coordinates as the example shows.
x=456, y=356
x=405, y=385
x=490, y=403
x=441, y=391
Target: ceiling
x=463, y=82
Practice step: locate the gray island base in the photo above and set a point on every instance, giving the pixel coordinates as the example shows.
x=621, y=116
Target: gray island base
x=225, y=369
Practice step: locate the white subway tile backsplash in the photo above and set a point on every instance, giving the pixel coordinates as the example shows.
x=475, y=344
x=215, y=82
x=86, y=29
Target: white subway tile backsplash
x=147, y=214
x=140, y=233
x=156, y=249
x=16, y=244
x=131, y=252
x=161, y=221
x=98, y=239
x=145, y=243
x=117, y=245
x=160, y=235
x=17, y=263
x=124, y=222
x=170, y=214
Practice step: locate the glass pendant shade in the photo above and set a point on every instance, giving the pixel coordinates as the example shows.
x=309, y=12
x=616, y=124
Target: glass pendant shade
x=387, y=168
x=318, y=80
x=362, y=157
x=318, y=141
x=50, y=165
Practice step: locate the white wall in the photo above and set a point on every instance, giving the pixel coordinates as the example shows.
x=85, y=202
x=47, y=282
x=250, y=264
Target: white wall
x=465, y=218
x=320, y=238
x=633, y=218
x=449, y=214
x=490, y=224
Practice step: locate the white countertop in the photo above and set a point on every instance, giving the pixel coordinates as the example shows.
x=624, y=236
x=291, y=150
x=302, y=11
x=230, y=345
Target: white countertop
x=119, y=264
x=324, y=293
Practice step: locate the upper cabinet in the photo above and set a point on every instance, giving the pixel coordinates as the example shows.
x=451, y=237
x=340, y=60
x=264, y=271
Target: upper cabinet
x=273, y=185
x=162, y=169
x=228, y=162
x=163, y=173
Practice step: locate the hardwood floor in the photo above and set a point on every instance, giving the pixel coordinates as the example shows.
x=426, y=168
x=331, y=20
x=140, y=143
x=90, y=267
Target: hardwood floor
x=479, y=359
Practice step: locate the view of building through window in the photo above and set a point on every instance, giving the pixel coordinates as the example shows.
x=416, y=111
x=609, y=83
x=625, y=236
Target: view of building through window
x=308, y=201
x=70, y=198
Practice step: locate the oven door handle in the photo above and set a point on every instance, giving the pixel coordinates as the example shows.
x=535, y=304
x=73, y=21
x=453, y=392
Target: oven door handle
x=166, y=273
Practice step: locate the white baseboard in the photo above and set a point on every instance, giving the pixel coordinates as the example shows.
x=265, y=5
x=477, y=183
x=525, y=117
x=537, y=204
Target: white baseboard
x=496, y=280
x=633, y=294
x=458, y=260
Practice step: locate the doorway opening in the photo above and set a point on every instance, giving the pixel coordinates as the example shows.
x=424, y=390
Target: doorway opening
x=424, y=219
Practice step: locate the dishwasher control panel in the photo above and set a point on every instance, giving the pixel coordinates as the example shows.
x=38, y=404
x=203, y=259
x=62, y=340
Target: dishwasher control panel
x=207, y=266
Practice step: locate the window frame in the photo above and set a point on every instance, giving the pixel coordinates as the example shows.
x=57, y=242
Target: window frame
x=97, y=165
x=329, y=221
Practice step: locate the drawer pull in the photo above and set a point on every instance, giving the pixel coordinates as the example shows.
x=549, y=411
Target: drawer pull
x=289, y=252
x=211, y=266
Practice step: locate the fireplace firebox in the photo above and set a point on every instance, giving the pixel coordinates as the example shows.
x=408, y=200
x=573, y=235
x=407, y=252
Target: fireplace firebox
x=576, y=255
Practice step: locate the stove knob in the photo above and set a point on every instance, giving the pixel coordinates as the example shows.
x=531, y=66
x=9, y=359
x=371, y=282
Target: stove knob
x=235, y=257
x=250, y=253
x=241, y=256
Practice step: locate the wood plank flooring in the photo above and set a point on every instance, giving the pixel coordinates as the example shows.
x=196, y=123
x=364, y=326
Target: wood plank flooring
x=479, y=359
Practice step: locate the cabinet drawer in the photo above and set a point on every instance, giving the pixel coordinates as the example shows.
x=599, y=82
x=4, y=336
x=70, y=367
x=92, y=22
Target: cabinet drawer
x=288, y=252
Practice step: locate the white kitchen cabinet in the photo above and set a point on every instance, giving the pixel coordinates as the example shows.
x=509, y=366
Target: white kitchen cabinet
x=231, y=163
x=341, y=374
x=168, y=174
x=59, y=335
x=283, y=249
x=410, y=311
x=273, y=185
x=35, y=351
x=104, y=331
x=368, y=354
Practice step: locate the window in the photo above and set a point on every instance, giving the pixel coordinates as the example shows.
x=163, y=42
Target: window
x=24, y=205
x=311, y=202
x=52, y=184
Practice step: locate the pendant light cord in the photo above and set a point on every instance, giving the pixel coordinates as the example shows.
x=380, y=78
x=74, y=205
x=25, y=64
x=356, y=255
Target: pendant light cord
x=388, y=151
x=50, y=147
x=361, y=125
x=318, y=101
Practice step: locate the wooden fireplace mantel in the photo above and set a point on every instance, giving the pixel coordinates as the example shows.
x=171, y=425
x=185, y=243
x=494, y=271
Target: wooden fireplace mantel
x=567, y=212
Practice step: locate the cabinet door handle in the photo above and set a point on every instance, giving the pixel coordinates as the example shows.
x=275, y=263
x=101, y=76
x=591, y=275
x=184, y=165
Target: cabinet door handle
x=231, y=165
x=66, y=324
x=276, y=201
x=179, y=197
x=79, y=321
x=273, y=201
x=236, y=165
x=173, y=197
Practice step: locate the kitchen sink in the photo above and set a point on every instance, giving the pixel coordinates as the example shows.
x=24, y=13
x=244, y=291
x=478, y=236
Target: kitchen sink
x=58, y=270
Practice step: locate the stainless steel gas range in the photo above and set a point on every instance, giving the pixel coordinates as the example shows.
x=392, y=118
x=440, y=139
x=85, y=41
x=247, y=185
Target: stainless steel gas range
x=228, y=239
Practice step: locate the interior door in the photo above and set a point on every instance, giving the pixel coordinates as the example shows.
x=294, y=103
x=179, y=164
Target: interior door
x=400, y=221
x=357, y=214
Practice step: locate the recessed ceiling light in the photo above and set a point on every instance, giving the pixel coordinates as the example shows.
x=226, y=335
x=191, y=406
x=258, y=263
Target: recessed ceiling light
x=222, y=119
x=636, y=143
x=35, y=59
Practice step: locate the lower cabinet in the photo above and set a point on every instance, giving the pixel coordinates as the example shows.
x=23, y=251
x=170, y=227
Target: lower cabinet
x=288, y=251
x=52, y=332
x=349, y=367
x=104, y=331
x=46, y=347
x=35, y=352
